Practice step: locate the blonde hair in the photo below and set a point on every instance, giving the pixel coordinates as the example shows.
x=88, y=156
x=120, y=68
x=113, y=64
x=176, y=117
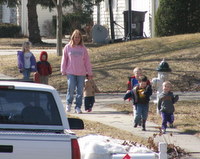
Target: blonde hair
x=76, y=32
x=167, y=83
x=137, y=69
x=25, y=44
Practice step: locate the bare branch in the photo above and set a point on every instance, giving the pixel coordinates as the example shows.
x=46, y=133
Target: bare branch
x=54, y=2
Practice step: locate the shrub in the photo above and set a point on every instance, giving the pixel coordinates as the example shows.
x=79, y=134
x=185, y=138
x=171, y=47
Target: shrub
x=177, y=17
x=9, y=30
x=72, y=21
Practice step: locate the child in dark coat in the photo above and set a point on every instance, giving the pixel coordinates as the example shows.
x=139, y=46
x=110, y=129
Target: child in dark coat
x=166, y=102
x=141, y=97
x=44, y=68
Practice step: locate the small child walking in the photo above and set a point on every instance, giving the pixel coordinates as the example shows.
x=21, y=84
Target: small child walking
x=44, y=68
x=26, y=61
x=132, y=82
x=165, y=105
x=90, y=89
x=141, y=96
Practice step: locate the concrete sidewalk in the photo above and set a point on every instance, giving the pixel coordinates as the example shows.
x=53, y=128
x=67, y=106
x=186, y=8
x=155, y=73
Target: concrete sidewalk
x=106, y=115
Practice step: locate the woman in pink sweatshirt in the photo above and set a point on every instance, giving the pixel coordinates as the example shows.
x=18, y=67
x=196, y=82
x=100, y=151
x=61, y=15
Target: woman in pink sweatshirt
x=75, y=65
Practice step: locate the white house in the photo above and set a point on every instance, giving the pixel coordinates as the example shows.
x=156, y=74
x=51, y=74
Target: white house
x=101, y=15
x=7, y=15
x=19, y=16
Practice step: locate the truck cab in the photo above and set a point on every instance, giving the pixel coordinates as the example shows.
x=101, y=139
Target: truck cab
x=33, y=121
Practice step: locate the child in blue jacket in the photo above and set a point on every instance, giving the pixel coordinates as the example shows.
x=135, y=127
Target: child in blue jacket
x=26, y=61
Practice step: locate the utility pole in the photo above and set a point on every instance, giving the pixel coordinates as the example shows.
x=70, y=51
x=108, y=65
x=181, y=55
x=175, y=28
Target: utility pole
x=58, y=5
x=111, y=21
x=59, y=28
x=130, y=19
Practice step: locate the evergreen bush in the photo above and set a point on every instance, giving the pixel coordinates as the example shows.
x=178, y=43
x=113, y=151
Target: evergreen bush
x=9, y=30
x=177, y=17
x=72, y=21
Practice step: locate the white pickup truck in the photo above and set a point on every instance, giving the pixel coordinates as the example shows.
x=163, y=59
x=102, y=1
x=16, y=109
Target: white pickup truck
x=33, y=123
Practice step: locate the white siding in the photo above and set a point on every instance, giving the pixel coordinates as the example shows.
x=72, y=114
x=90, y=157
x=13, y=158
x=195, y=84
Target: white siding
x=5, y=14
x=119, y=19
x=122, y=5
x=117, y=16
x=45, y=18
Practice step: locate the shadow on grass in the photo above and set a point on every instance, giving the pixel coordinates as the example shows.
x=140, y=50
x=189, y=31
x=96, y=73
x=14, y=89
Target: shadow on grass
x=190, y=132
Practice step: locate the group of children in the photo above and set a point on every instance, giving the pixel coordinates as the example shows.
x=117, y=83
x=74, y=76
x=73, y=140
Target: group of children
x=27, y=64
x=139, y=90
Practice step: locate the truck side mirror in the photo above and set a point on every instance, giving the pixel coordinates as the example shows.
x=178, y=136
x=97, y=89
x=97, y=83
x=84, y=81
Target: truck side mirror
x=75, y=123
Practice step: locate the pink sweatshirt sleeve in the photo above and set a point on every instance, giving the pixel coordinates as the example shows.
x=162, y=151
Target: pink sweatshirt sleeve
x=64, y=61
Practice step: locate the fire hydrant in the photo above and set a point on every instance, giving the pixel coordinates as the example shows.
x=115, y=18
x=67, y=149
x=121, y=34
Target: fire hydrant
x=163, y=72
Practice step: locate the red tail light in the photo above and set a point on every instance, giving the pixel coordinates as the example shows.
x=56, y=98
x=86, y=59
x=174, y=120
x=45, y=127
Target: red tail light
x=7, y=87
x=75, y=149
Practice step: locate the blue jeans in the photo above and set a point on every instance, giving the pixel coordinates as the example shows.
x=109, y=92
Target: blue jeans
x=75, y=83
x=26, y=73
x=141, y=112
x=167, y=117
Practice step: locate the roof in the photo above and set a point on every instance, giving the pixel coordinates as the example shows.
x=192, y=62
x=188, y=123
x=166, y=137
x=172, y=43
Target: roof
x=28, y=85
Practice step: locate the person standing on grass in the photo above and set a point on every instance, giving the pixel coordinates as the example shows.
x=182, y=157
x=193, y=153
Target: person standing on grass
x=90, y=89
x=141, y=96
x=75, y=64
x=44, y=68
x=26, y=61
x=165, y=105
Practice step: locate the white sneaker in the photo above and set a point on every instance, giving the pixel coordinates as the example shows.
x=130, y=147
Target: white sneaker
x=68, y=108
x=163, y=131
x=78, y=110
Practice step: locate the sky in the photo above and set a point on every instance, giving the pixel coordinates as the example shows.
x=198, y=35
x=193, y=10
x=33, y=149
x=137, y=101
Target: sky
x=102, y=147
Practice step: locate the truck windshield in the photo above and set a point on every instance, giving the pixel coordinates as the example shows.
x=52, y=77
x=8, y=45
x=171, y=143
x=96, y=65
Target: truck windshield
x=28, y=107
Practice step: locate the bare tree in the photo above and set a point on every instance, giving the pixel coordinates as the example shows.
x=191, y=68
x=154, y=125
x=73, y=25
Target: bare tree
x=33, y=27
x=34, y=32
x=58, y=5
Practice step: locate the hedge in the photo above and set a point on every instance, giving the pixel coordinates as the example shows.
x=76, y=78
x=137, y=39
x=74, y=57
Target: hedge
x=9, y=30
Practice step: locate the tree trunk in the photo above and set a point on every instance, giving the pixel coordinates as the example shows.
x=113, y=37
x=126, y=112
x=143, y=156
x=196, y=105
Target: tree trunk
x=34, y=31
x=59, y=28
